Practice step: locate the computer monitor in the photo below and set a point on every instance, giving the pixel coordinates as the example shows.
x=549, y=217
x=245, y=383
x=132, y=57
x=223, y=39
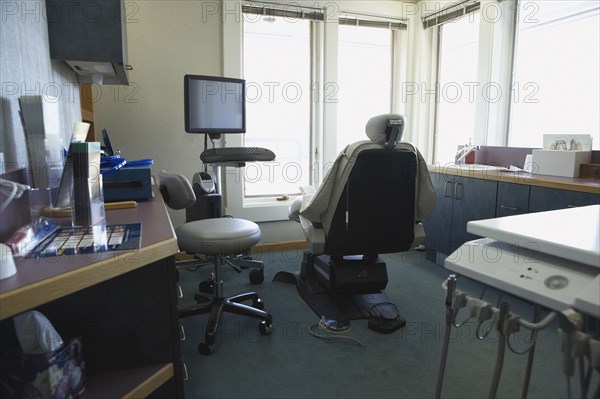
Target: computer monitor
x=108, y=148
x=214, y=105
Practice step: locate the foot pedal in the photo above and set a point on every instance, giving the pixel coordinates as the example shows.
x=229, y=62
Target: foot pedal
x=385, y=318
x=386, y=326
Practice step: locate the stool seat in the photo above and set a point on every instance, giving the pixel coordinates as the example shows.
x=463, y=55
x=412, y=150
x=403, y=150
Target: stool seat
x=217, y=236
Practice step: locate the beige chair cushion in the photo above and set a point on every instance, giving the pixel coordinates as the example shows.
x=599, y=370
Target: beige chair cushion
x=218, y=236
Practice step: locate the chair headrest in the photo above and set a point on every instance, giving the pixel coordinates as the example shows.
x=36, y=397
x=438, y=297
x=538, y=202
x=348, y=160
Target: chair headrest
x=378, y=128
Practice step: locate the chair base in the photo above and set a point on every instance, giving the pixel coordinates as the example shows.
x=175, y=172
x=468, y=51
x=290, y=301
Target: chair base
x=237, y=262
x=219, y=305
x=383, y=316
x=352, y=275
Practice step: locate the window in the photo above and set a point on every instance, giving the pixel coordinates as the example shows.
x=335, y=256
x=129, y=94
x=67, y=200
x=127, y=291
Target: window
x=364, y=79
x=277, y=66
x=555, y=90
x=457, y=79
x=288, y=55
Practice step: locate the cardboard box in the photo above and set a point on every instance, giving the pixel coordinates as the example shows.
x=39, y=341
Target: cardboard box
x=559, y=163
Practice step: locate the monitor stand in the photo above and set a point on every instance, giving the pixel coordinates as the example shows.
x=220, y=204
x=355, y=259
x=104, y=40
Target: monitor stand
x=215, y=138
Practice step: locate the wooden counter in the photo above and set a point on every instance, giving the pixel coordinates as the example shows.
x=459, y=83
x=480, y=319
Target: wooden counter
x=557, y=182
x=122, y=304
x=39, y=281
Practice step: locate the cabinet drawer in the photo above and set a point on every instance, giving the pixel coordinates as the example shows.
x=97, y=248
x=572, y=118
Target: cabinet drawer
x=548, y=199
x=513, y=199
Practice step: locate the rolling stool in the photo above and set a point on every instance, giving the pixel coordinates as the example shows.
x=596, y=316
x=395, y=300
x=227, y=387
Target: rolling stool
x=217, y=238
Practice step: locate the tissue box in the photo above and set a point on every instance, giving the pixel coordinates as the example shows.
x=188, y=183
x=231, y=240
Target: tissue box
x=559, y=163
x=59, y=374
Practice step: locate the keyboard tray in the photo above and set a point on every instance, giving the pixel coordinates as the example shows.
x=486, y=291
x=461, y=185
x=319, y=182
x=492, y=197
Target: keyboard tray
x=237, y=154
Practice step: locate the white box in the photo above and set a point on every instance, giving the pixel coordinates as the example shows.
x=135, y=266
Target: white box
x=559, y=163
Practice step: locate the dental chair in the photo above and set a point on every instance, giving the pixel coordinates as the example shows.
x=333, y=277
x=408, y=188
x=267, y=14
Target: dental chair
x=370, y=202
x=216, y=238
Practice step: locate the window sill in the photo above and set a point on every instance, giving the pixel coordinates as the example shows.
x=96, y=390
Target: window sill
x=262, y=209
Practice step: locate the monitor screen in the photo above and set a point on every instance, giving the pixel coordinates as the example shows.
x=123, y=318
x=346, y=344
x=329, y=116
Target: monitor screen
x=214, y=105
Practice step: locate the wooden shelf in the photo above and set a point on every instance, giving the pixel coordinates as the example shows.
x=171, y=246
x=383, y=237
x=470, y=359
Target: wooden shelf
x=134, y=383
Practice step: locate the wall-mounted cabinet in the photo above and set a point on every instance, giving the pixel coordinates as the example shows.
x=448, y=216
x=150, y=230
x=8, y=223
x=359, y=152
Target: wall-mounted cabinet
x=90, y=36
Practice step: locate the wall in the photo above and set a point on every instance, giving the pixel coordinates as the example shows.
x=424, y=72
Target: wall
x=166, y=40
x=26, y=69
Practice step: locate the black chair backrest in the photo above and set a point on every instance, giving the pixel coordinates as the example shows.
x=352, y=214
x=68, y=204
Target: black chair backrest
x=376, y=211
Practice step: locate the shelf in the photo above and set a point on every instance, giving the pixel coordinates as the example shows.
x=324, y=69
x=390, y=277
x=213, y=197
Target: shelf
x=134, y=383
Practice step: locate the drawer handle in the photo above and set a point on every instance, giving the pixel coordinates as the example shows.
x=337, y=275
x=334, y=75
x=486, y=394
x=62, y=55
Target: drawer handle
x=458, y=191
x=185, y=372
x=128, y=67
x=179, y=292
x=512, y=208
x=181, y=333
x=446, y=189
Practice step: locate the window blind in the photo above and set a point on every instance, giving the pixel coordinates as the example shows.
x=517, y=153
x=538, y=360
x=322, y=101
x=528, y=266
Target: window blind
x=295, y=11
x=292, y=11
x=450, y=13
x=373, y=22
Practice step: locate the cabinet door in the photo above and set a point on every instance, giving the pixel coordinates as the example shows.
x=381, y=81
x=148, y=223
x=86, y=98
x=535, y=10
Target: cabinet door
x=548, y=199
x=474, y=199
x=438, y=224
x=513, y=199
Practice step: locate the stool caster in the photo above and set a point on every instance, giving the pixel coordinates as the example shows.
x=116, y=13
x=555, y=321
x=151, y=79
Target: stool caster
x=206, y=347
x=207, y=287
x=258, y=304
x=257, y=276
x=264, y=328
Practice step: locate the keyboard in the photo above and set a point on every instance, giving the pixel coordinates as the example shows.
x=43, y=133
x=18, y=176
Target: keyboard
x=237, y=154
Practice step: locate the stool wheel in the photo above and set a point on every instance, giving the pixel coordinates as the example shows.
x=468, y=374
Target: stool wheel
x=205, y=349
x=258, y=304
x=264, y=328
x=207, y=286
x=257, y=276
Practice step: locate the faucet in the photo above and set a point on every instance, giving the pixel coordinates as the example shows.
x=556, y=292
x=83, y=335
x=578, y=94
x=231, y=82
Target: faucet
x=461, y=154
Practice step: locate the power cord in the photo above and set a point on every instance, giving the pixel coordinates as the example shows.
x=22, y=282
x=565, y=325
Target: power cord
x=12, y=190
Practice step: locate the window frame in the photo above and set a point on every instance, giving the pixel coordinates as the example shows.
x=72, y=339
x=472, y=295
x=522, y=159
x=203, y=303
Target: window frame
x=518, y=18
x=496, y=48
x=498, y=32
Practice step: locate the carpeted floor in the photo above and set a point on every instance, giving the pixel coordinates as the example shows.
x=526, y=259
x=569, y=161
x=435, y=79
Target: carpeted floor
x=291, y=363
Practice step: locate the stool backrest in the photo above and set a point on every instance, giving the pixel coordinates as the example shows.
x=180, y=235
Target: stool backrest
x=176, y=190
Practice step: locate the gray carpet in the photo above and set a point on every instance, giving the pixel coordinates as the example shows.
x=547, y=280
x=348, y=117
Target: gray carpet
x=291, y=363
